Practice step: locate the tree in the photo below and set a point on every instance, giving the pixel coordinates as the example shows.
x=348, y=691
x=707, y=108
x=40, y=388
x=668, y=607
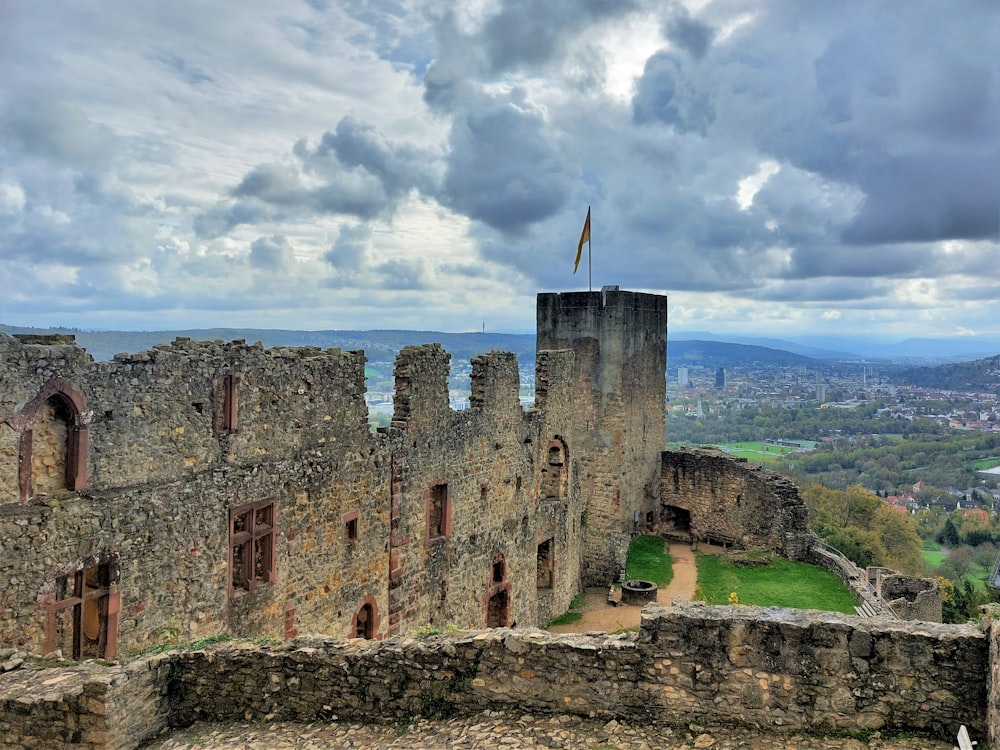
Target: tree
x=949, y=535
x=957, y=565
x=864, y=528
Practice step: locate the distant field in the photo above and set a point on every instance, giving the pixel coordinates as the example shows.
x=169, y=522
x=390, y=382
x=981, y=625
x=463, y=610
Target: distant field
x=983, y=464
x=782, y=583
x=934, y=554
x=762, y=453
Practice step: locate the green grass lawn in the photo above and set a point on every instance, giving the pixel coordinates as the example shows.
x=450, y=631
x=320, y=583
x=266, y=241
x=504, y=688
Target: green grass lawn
x=984, y=463
x=934, y=555
x=782, y=583
x=648, y=561
x=761, y=453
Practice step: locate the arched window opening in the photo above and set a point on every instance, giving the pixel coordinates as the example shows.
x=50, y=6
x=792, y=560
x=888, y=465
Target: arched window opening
x=554, y=475
x=364, y=622
x=50, y=447
x=52, y=443
x=497, y=600
x=498, y=610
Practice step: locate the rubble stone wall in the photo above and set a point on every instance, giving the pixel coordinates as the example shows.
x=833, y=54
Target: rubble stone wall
x=180, y=437
x=619, y=340
x=764, y=669
x=733, y=502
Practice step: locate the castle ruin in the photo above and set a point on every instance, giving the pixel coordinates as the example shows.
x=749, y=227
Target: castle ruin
x=205, y=487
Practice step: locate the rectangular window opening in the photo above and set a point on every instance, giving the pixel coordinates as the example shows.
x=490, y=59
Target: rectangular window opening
x=251, y=545
x=544, y=565
x=437, y=512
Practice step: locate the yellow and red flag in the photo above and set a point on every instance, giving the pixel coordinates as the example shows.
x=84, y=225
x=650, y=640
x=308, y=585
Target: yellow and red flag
x=584, y=237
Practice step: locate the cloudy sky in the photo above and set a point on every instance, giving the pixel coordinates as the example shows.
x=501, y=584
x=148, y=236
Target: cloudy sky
x=775, y=166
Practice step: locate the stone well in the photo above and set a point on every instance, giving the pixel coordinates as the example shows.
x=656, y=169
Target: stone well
x=638, y=592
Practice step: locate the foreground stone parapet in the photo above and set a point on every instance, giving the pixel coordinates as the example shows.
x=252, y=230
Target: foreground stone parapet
x=774, y=670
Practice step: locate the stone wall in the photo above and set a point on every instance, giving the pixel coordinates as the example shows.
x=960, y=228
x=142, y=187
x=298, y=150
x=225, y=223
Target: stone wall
x=619, y=394
x=769, y=669
x=909, y=597
x=180, y=441
x=85, y=706
x=730, y=501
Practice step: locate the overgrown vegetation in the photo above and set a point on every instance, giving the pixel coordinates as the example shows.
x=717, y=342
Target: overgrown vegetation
x=864, y=528
x=649, y=560
x=781, y=583
x=573, y=614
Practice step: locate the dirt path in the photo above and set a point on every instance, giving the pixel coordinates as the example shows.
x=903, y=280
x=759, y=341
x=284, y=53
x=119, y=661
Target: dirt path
x=598, y=615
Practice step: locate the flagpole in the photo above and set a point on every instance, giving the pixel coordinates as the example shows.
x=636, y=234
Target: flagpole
x=590, y=246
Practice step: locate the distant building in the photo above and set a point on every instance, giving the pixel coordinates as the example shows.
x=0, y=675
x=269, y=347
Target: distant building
x=683, y=379
x=720, y=379
x=821, y=393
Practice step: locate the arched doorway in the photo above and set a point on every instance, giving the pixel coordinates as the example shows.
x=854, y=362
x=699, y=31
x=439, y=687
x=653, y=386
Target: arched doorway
x=554, y=472
x=365, y=622
x=498, y=610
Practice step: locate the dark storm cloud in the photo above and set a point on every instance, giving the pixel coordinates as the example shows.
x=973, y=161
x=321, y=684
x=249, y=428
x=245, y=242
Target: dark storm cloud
x=398, y=167
x=530, y=33
x=348, y=256
x=691, y=35
x=227, y=215
x=273, y=183
x=827, y=291
x=665, y=93
x=929, y=197
x=400, y=274
x=271, y=253
x=506, y=168
x=520, y=36
x=353, y=171
x=892, y=106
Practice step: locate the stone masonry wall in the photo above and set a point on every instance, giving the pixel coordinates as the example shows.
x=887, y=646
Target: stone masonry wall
x=85, y=706
x=163, y=479
x=619, y=342
x=731, y=501
x=182, y=437
x=763, y=669
x=483, y=462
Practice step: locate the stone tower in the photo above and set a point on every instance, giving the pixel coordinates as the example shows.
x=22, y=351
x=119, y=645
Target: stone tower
x=619, y=340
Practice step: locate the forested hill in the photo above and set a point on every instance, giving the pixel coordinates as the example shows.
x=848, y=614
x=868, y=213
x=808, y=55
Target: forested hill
x=978, y=375
x=721, y=354
x=383, y=345
x=378, y=345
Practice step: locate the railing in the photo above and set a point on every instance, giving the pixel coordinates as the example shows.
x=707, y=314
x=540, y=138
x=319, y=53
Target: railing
x=994, y=581
x=859, y=579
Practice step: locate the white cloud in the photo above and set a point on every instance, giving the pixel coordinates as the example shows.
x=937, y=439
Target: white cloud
x=350, y=165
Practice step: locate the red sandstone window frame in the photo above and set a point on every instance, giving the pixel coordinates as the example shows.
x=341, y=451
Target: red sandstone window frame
x=77, y=438
x=373, y=623
x=227, y=409
x=252, y=533
x=438, y=509
x=72, y=591
x=351, y=526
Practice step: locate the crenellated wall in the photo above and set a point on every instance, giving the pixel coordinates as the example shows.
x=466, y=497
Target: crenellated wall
x=183, y=445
